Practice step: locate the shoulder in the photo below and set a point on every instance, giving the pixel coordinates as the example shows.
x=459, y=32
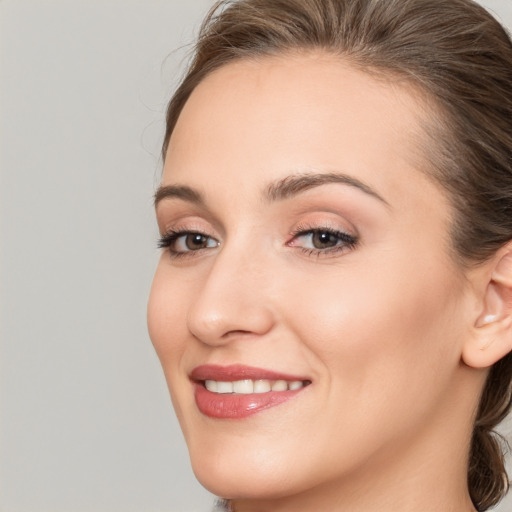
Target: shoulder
x=221, y=506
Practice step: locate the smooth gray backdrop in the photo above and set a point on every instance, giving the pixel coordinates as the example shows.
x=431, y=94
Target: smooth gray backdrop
x=85, y=419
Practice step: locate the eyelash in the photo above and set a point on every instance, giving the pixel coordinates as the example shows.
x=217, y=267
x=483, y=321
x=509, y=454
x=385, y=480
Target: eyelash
x=167, y=240
x=349, y=241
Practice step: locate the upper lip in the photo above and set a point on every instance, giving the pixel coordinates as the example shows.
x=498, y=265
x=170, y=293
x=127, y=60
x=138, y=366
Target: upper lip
x=239, y=372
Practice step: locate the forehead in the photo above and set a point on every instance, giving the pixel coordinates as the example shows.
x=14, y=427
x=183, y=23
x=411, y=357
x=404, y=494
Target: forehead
x=268, y=117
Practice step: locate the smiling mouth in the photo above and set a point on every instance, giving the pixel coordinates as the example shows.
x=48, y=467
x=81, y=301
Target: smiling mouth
x=236, y=391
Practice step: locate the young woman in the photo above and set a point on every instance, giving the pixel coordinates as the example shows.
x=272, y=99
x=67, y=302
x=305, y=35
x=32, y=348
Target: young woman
x=333, y=304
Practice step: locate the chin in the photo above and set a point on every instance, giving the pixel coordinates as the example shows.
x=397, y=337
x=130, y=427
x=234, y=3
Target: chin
x=262, y=467
x=251, y=485
x=249, y=474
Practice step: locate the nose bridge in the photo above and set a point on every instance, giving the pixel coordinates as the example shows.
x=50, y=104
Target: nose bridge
x=232, y=298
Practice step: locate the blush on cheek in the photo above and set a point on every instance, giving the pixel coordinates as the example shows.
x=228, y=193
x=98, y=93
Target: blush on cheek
x=164, y=320
x=367, y=325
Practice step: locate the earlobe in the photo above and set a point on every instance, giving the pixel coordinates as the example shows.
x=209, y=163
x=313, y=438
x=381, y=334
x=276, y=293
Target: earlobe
x=491, y=337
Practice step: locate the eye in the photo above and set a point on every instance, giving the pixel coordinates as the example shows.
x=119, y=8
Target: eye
x=322, y=240
x=182, y=242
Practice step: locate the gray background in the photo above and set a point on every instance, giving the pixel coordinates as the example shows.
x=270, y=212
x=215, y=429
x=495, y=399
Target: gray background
x=85, y=419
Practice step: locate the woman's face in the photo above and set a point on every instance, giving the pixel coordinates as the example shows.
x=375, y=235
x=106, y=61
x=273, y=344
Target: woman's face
x=304, y=244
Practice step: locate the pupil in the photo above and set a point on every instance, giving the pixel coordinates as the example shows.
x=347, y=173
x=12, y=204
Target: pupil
x=323, y=239
x=195, y=241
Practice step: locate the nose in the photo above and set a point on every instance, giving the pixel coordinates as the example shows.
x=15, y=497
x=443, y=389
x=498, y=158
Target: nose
x=233, y=300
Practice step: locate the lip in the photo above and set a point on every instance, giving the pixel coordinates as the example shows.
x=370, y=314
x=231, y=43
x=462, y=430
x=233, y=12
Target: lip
x=238, y=372
x=238, y=406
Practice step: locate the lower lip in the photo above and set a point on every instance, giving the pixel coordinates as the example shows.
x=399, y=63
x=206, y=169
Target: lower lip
x=235, y=406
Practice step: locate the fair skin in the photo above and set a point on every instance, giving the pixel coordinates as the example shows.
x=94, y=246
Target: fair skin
x=390, y=335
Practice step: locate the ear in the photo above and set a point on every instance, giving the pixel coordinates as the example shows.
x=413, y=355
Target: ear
x=492, y=330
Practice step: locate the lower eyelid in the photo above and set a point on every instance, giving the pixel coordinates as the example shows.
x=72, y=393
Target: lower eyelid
x=319, y=253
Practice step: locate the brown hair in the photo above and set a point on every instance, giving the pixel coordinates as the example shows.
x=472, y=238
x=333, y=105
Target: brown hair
x=461, y=57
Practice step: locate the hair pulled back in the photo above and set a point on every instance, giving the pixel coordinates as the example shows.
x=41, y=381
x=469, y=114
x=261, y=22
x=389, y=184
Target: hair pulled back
x=461, y=58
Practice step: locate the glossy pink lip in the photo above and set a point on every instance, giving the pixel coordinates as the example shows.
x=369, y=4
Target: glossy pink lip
x=238, y=406
x=238, y=372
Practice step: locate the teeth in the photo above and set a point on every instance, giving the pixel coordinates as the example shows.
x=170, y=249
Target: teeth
x=262, y=386
x=247, y=386
x=243, y=387
x=224, y=387
x=280, y=385
x=211, y=385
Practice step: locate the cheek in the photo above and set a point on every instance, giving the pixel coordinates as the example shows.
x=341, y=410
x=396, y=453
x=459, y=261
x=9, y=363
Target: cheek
x=167, y=329
x=380, y=335
x=166, y=316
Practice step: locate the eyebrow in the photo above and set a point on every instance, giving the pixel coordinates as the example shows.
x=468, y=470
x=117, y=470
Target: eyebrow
x=276, y=191
x=295, y=184
x=179, y=192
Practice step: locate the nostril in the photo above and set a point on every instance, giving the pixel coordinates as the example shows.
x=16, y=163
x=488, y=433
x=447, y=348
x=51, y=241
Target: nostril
x=227, y=308
x=238, y=334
